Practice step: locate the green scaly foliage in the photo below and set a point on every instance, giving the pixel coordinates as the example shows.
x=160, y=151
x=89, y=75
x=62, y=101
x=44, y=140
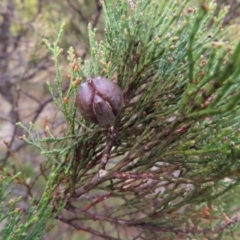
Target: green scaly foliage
x=173, y=152
x=40, y=214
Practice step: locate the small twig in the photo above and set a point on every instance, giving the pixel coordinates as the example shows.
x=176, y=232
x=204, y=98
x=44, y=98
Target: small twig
x=78, y=11
x=232, y=221
x=100, y=199
x=15, y=146
x=97, y=13
x=81, y=228
x=31, y=96
x=107, y=150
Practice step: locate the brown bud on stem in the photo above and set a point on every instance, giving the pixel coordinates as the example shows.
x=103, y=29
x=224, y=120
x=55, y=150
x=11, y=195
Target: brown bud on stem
x=99, y=100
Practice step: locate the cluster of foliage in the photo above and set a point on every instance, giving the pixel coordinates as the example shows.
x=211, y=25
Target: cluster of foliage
x=163, y=169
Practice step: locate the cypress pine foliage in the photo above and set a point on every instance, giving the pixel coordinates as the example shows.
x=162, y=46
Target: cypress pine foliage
x=26, y=223
x=170, y=162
